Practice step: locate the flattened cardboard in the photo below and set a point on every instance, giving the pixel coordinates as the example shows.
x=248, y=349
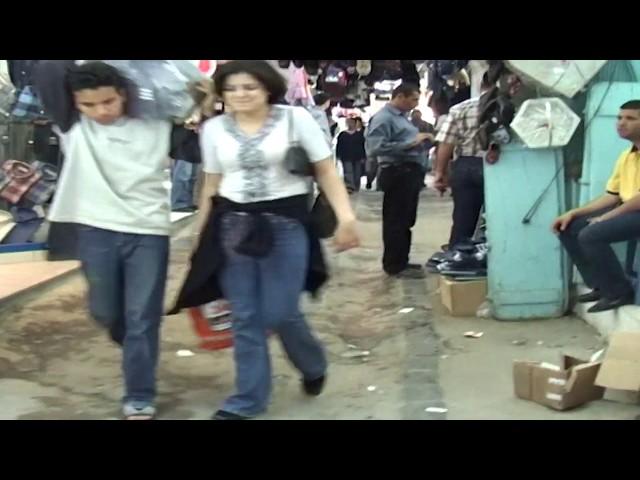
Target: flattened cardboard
x=621, y=366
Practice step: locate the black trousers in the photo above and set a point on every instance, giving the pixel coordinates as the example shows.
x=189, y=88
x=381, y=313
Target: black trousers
x=401, y=186
x=467, y=188
x=371, y=167
x=589, y=247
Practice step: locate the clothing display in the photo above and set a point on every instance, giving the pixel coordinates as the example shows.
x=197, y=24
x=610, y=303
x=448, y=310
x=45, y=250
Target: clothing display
x=299, y=92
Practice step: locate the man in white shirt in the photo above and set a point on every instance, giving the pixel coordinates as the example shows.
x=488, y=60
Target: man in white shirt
x=111, y=185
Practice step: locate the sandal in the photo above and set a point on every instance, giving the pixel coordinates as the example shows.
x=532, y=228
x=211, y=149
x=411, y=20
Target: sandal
x=139, y=413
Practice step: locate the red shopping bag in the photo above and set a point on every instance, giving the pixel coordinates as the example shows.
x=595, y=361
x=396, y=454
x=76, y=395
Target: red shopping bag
x=212, y=323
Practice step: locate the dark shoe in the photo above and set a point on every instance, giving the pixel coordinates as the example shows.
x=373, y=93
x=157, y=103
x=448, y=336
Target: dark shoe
x=592, y=296
x=314, y=387
x=411, y=273
x=605, y=304
x=224, y=415
x=369, y=186
x=414, y=266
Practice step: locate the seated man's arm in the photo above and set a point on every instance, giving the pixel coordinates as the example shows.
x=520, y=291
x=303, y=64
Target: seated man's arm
x=632, y=205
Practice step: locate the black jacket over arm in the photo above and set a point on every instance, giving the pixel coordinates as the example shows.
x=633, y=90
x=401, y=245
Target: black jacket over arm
x=201, y=285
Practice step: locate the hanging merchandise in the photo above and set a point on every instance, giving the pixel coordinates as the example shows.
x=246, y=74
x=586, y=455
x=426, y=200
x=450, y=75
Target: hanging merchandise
x=335, y=82
x=566, y=77
x=392, y=69
x=449, y=79
x=16, y=178
x=298, y=92
x=496, y=112
x=42, y=190
x=410, y=72
x=312, y=67
x=545, y=123
x=363, y=67
x=27, y=106
x=7, y=95
x=162, y=86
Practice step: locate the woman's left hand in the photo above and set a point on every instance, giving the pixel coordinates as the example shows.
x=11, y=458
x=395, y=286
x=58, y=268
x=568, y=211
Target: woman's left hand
x=346, y=236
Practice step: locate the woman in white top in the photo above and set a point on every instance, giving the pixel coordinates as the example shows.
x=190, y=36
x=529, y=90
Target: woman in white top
x=257, y=247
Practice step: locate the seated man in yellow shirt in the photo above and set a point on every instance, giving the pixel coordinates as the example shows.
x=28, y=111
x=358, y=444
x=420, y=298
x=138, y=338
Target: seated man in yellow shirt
x=587, y=232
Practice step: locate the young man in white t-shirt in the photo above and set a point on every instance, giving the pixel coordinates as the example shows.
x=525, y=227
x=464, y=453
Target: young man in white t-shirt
x=111, y=185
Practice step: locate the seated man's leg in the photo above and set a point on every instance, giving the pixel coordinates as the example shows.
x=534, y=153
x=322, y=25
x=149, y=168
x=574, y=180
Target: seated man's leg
x=595, y=241
x=569, y=240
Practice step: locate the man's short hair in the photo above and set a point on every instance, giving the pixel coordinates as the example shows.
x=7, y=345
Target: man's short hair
x=405, y=89
x=631, y=105
x=94, y=75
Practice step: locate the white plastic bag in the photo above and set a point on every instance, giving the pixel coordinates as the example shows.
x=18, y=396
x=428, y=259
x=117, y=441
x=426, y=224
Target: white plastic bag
x=566, y=77
x=162, y=86
x=7, y=95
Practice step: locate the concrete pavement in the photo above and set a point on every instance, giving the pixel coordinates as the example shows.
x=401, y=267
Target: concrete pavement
x=56, y=364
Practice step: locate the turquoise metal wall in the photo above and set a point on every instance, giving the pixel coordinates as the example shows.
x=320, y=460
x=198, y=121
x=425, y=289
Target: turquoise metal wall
x=527, y=271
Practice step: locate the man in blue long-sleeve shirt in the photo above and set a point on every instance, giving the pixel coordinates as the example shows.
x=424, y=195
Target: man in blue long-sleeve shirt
x=397, y=143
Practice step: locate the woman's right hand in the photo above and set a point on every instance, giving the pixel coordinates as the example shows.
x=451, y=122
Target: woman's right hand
x=346, y=236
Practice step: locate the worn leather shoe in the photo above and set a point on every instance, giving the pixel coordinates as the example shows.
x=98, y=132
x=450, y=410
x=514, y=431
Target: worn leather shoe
x=592, y=296
x=605, y=304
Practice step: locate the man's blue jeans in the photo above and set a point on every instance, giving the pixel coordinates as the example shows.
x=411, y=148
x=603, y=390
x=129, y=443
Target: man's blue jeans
x=127, y=275
x=264, y=294
x=183, y=182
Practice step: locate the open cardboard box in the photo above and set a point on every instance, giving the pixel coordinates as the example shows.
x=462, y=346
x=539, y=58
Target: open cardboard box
x=559, y=387
x=620, y=372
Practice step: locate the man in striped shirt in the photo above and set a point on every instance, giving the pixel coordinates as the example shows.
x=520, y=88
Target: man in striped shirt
x=458, y=139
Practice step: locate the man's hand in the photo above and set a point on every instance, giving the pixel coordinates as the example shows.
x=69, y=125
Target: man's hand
x=420, y=138
x=561, y=223
x=440, y=182
x=602, y=218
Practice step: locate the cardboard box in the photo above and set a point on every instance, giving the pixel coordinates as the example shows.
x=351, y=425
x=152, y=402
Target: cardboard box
x=462, y=298
x=621, y=366
x=559, y=387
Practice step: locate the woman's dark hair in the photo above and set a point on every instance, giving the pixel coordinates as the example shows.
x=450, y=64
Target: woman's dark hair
x=269, y=77
x=94, y=75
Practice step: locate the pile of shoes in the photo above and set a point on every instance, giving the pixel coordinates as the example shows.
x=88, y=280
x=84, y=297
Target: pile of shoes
x=465, y=260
